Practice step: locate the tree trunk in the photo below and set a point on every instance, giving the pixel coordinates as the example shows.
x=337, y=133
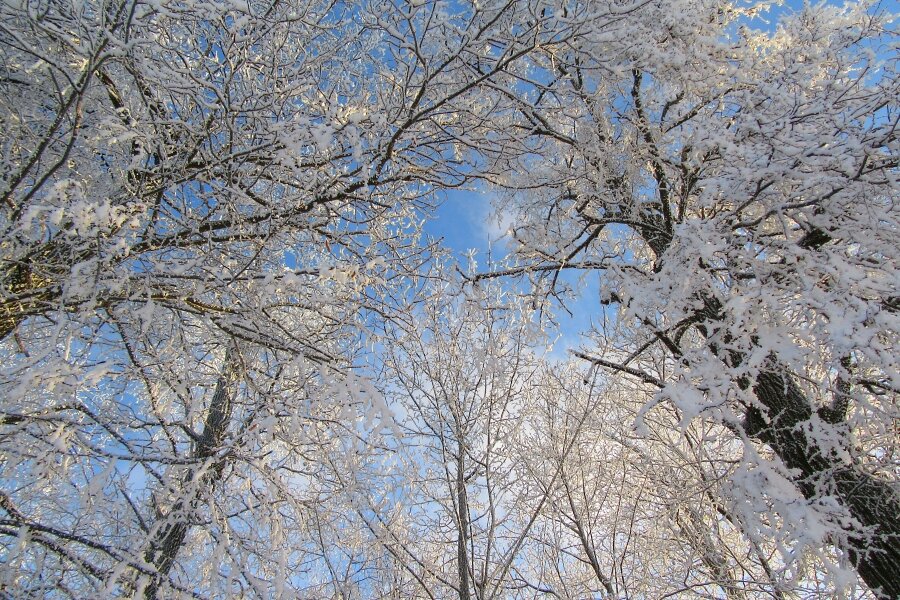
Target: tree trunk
x=169, y=538
x=696, y=533
x=462, y=538
x=873, y=502
x=784, y=426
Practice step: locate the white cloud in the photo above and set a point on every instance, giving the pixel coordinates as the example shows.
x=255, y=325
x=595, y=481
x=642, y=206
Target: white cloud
x=489, y=223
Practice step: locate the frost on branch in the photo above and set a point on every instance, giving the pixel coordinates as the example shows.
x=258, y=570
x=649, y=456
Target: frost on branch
x=232, y=365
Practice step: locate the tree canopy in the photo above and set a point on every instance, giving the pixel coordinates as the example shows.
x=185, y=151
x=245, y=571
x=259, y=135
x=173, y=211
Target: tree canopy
x=235, y=365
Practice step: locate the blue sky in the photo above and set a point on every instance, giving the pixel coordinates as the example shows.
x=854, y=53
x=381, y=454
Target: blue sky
x=467, y=221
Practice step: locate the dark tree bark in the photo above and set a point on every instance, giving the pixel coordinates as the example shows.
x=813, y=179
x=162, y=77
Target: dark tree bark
x=169, y=538
x=872, y=501
x=462, y=538
x=783, y=423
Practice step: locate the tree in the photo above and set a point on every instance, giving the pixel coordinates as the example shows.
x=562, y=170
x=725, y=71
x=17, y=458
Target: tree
x=639, y=514
x=734, y=189
x=205, y=207
x=210, y=215
x=459, y=378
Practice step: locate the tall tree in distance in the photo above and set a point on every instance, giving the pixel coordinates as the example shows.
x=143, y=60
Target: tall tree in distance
x=638, y=514
x=460, y=379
